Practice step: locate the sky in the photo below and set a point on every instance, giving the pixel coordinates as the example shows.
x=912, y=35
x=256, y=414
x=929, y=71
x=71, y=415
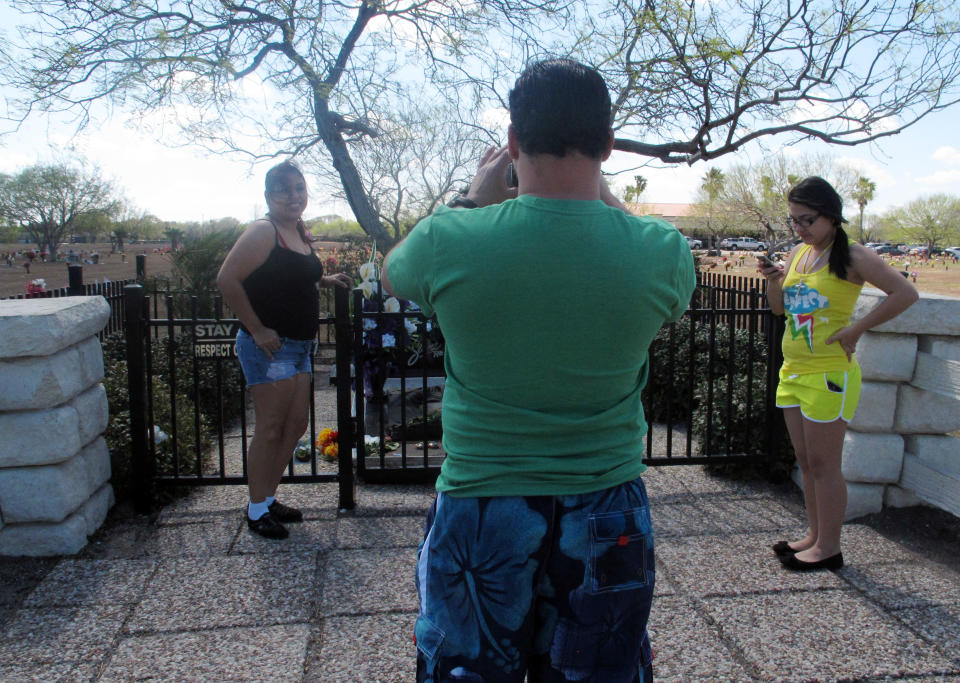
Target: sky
x=190, y=184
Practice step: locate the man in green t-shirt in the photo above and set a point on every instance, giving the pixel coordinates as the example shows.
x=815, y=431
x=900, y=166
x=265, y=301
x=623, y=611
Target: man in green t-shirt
x=538, y=554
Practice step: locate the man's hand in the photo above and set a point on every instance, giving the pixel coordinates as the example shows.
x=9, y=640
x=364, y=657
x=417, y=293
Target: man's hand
x=489, y=186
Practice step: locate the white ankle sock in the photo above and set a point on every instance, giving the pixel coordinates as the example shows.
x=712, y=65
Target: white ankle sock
x=257, y=510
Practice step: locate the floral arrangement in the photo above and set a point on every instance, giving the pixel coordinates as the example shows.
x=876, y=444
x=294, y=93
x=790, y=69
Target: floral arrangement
x=37, y=287
x=393, y=341
x=327, y=444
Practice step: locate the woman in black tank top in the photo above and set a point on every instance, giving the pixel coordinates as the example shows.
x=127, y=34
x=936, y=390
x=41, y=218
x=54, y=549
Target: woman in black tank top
x=269, y=280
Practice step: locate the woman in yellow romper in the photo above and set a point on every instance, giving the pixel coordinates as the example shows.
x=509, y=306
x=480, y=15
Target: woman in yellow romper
x=820, y=379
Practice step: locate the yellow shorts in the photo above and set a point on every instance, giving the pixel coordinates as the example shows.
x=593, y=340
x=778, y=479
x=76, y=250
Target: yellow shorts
x=822, y=396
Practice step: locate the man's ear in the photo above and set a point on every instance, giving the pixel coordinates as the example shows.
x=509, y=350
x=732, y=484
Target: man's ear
x=608, y=150
x=513, y=146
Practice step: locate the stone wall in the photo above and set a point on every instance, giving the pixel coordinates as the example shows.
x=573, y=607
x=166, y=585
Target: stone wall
x=899, y=450
x=54, y=462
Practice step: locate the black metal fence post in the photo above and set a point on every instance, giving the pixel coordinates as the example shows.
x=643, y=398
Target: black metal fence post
x=141, y=267
x=775, y=327
x=347, y=439
x=75, y=280
x=140, y=462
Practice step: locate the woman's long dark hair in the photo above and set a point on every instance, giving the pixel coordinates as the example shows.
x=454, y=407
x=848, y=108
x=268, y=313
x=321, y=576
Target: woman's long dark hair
x=272, y=179
x=818, y=194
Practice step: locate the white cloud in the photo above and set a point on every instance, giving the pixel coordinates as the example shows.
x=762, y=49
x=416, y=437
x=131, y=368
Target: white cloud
x=498, y=118
x=947, y=154
x=674, y=184
x=878, y=173
x=941, y=178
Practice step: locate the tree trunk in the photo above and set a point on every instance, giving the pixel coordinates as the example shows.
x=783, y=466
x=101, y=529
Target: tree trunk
x=349, y=177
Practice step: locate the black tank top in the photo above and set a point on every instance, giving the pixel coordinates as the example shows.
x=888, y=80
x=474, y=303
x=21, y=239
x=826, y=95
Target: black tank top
x=283, y=292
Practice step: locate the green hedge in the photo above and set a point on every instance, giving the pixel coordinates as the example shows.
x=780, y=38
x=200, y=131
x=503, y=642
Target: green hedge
x=203, y=392
x=668, y=392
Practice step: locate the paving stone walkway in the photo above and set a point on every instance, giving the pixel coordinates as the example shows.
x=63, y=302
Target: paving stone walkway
x=190, y=595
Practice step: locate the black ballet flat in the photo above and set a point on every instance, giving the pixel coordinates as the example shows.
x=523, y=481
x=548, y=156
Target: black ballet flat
x=791, y=562
x=782, y=548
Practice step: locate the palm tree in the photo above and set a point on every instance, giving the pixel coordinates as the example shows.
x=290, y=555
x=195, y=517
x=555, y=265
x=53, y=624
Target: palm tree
x=712, y=184
x=862, y=194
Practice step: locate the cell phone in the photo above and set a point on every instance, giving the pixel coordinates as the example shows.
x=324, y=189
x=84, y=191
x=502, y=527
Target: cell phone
x=766, y=259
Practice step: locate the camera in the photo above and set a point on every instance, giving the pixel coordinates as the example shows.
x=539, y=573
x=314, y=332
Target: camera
x=511, y=176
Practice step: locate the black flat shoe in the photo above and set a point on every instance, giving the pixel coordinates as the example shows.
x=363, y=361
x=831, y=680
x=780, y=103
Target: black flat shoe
x=284, y=513
x=267, y=527
x=791, y=562
x=782, y=548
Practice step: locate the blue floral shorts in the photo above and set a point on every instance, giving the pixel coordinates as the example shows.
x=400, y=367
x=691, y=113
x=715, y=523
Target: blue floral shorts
x=557, y=588
x=292, y=359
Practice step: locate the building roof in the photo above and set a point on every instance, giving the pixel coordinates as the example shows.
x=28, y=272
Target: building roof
x=663, y=210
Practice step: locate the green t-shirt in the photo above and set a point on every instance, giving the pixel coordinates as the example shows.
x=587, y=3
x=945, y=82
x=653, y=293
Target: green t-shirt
x=547, y=307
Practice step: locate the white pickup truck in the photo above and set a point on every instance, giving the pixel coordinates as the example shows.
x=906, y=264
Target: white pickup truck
x=742, y=243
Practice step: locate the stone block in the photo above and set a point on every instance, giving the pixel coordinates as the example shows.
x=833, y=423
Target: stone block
x=877, y=407
x=39, y=437
x=887, y=357
x=51, y=493
x=940, y=452
x=931, y=314
x=937, y=374
x=947, y=348
x=91, y=361
x=896, y=497
x=863, y=499
x=62, y=538
x=931, y=485
x=926, y=412
x=41, y=327
x=47, y=381
x=93, y=411
x=872, y=458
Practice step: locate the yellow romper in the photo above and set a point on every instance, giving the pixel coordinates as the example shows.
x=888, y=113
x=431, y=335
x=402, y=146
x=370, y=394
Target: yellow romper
x=817, y=376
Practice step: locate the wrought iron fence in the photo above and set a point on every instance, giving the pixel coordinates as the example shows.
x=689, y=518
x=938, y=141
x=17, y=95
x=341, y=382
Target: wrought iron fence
x=710, y=398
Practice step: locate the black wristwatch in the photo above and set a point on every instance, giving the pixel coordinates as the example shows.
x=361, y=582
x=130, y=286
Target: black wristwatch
x=461, y=201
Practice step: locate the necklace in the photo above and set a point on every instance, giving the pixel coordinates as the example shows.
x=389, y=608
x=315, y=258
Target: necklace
x=810, y=267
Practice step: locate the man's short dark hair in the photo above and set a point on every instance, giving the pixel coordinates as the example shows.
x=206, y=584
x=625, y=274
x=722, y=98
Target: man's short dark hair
x=558, y=106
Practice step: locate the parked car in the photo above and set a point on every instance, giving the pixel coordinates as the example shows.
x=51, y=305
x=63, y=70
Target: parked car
x=742, y=243
x=694, y=243
x=952, y=251
x=888, y=249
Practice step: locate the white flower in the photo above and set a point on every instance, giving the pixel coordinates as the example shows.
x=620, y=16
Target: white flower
x=368, y=271
x=391, y=305
x=159, y=436
x=410, y=325
x=411, y=306
x=389, y=341
x=368, y=288
x=369, y=323
x=40, y=282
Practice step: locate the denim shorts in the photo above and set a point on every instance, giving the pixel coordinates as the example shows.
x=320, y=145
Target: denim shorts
x=559, y=587
x=293, y=358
